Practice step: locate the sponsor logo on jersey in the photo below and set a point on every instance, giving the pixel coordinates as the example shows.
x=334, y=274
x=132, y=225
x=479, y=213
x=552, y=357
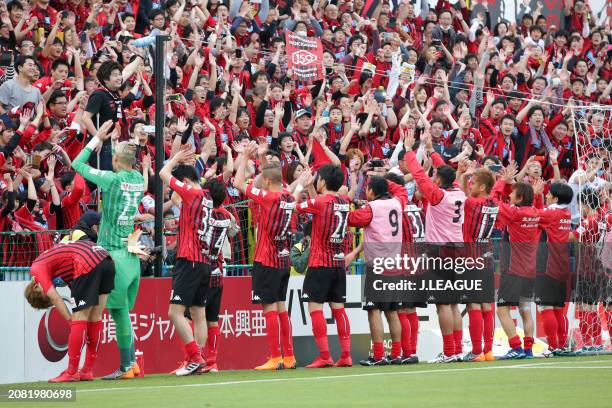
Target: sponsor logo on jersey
x=132, y=187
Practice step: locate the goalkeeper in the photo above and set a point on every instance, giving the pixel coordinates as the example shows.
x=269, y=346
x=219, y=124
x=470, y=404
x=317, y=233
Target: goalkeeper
x=122, y=190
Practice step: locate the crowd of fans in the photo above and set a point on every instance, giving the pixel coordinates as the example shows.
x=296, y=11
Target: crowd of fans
x=477, y=92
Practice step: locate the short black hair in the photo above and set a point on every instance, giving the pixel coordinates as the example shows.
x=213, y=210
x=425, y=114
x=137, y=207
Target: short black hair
x=15, y=4
x=136, y=122
x=184, y=171
x=534, y=109
x=59, y=62
x=66, y=179
x=216, y=103
x=447, y=175
x=395, y=178
x=508, y=116
x=256, y=76
x=42, y=146
x=500, y=100
x=332, y=175
x=356, y=37
x=106, y=69
x=55, y=96
x=493, y=158
x=21, y=60
x=154, y=13
x=562, y=192
x=216, y=189
x=379, y=186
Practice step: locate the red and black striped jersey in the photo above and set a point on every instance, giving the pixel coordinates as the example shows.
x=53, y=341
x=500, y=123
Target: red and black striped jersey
x=196, y=210
x=329, y=226
x=479, y=219
x=216, y=234
x=65, y=262
x=275, y=214
x=478, y=224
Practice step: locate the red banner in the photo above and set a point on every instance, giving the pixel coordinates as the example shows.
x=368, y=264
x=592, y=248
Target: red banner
x=241, y=326
x=304, y=57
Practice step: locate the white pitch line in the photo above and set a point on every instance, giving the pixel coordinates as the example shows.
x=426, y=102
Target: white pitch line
x=326, y=377
x=569, y=367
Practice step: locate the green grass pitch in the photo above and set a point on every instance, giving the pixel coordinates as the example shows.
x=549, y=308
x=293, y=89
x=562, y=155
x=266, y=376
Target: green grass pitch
x=554, y=382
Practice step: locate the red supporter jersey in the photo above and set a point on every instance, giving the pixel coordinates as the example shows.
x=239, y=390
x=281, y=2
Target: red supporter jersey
x=196, y=210
x=45, y=82
x=63, y=263
x=524, y=234
x=329, y=225
x=556, y=221
x=275, y=213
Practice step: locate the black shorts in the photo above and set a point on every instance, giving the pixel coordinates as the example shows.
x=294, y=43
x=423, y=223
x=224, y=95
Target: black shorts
x=269, y=284
x=513, y=289
x=411, y=305
x=383, y=306
x=213, y=303
x=550, y=292
x=324, y=284
x=486, y=278
x=190, y=282
x=86, y=289
x=439, y=277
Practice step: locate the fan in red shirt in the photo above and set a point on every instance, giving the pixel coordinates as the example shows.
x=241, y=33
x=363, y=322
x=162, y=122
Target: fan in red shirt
x=191, y=277
x=272, y=255
x=90, y=272
x=553, y=287
x=518, y=266
x=481, y=212
x=56, y=81
x=326, y=277
x=74, y=188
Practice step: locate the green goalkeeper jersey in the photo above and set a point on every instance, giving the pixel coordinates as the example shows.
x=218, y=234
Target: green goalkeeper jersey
x=121, y=196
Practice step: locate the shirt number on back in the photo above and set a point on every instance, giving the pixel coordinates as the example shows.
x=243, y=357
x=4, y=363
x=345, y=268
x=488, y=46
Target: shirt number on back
x=340, y=230
x=393, y=221
x=457, y=211
x=487, y=225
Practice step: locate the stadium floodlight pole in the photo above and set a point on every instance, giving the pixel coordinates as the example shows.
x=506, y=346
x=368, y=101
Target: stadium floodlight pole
x=160, y=88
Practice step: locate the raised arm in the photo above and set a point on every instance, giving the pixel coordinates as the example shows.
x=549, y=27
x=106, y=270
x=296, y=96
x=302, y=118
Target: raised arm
x=98, y=177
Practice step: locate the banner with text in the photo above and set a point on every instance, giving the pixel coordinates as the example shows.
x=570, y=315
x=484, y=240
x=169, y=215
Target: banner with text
x=305, y=57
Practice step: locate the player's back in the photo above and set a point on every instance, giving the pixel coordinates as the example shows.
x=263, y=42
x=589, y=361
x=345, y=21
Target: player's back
x=275, y=215
x=329, y=227
x=524, y=235
x=383, y=236
x=120, y=203
x=480, y=217
x=444, y=220
x=216, y=234
x=196, y=209
x=69, y=260
x=557, y=222
x=413, y=225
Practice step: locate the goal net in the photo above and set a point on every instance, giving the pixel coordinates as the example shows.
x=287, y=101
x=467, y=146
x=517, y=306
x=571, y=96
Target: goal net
x=591, y=209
